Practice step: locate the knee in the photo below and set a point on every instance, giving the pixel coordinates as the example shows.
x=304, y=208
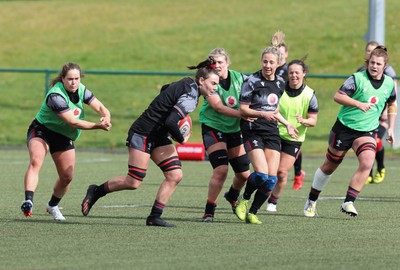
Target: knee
x=240, y=164
x=270, y=183
x=136, y=173
x=333, y=158
x=174, y=176
x=327, y=169
x=35, y=163
x=66, y=178
x=366, y=163
x=172, y=169
x=218, y=158
x=366, y=155
x=220, y=173
x=132, y=183
x=282, y=177
x=242, y=177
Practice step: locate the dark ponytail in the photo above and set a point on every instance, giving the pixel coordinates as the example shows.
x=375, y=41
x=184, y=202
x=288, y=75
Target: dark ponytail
x=208, y=63
x=205, y=68
x=300, y=62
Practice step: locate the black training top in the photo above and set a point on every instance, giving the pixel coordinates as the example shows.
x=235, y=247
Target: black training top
x=175, y=101
x=261, y=95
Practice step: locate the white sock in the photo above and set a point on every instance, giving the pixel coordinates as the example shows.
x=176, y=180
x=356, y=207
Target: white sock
x=320, y=180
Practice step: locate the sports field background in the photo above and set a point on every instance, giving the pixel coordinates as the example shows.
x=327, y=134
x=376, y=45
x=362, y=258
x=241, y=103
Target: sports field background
x=114, y=235
x=154, y=35
x=167, y=36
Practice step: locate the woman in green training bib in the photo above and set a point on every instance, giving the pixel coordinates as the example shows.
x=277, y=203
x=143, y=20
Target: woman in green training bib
x=55, y=128
x=220, y=119
x=299, y=106
x=363, y=97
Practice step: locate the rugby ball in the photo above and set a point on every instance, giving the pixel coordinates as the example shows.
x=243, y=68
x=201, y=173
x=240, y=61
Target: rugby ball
x=185, y=125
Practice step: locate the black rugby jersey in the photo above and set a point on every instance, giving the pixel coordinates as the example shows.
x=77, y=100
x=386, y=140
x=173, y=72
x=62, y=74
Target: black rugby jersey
x=261, y=95
x=181, y=96
x=282, y=71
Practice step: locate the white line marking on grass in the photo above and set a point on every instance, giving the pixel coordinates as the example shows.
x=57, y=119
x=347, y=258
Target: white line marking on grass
x=14, y=162
x=380, y=199
x=93, y=160
x=90, y=160
x=126, y=205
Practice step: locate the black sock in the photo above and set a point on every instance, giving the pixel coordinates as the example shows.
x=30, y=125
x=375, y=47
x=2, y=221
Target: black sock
x=273, y=199
x=210, y=208
x=29, y=195
x=101, y=190
x=259, y=199
x=314, y=194
x=233, y=194
x=297, y=165
x=250, y=188
x=379, y=159
x=54, y=201
x=157, y=209
x=351, y=195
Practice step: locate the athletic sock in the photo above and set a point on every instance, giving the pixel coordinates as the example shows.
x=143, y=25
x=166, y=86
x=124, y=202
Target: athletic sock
x=379, y=159
x=259, y=199
x=210, y=207
x=251, y=186
x=101, y=190
x=351, y=195
x=157, y=209
x=29, y=195
x=314, y=194
x=297, y=165
x=54, y=201
x=233, y=194
x=273, y=199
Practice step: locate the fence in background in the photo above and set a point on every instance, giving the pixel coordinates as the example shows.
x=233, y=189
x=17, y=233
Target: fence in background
x=47, y=73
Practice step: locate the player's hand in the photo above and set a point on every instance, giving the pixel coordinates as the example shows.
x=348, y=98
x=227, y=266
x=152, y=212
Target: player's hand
x=270, y=116
x=300, y=119
x=105, y=123
x=390, y=136
x=365, y=106
x=187, y=137
x=105, y=119
x=249, y=119
x=292, y=131
x=390, y=139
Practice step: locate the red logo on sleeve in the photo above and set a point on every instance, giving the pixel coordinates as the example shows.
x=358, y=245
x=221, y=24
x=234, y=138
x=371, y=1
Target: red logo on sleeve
x=77, y=112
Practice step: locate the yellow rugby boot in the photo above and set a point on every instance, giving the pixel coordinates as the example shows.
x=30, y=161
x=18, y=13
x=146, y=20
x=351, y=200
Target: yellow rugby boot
x=252, y=219
x=379, y=176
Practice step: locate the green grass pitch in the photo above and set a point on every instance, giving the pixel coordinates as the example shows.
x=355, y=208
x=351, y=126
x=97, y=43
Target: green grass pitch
x=114, y=235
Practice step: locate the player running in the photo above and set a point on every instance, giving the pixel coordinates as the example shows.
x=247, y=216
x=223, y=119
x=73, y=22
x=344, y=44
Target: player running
x=363, y=97
x=148, y=138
